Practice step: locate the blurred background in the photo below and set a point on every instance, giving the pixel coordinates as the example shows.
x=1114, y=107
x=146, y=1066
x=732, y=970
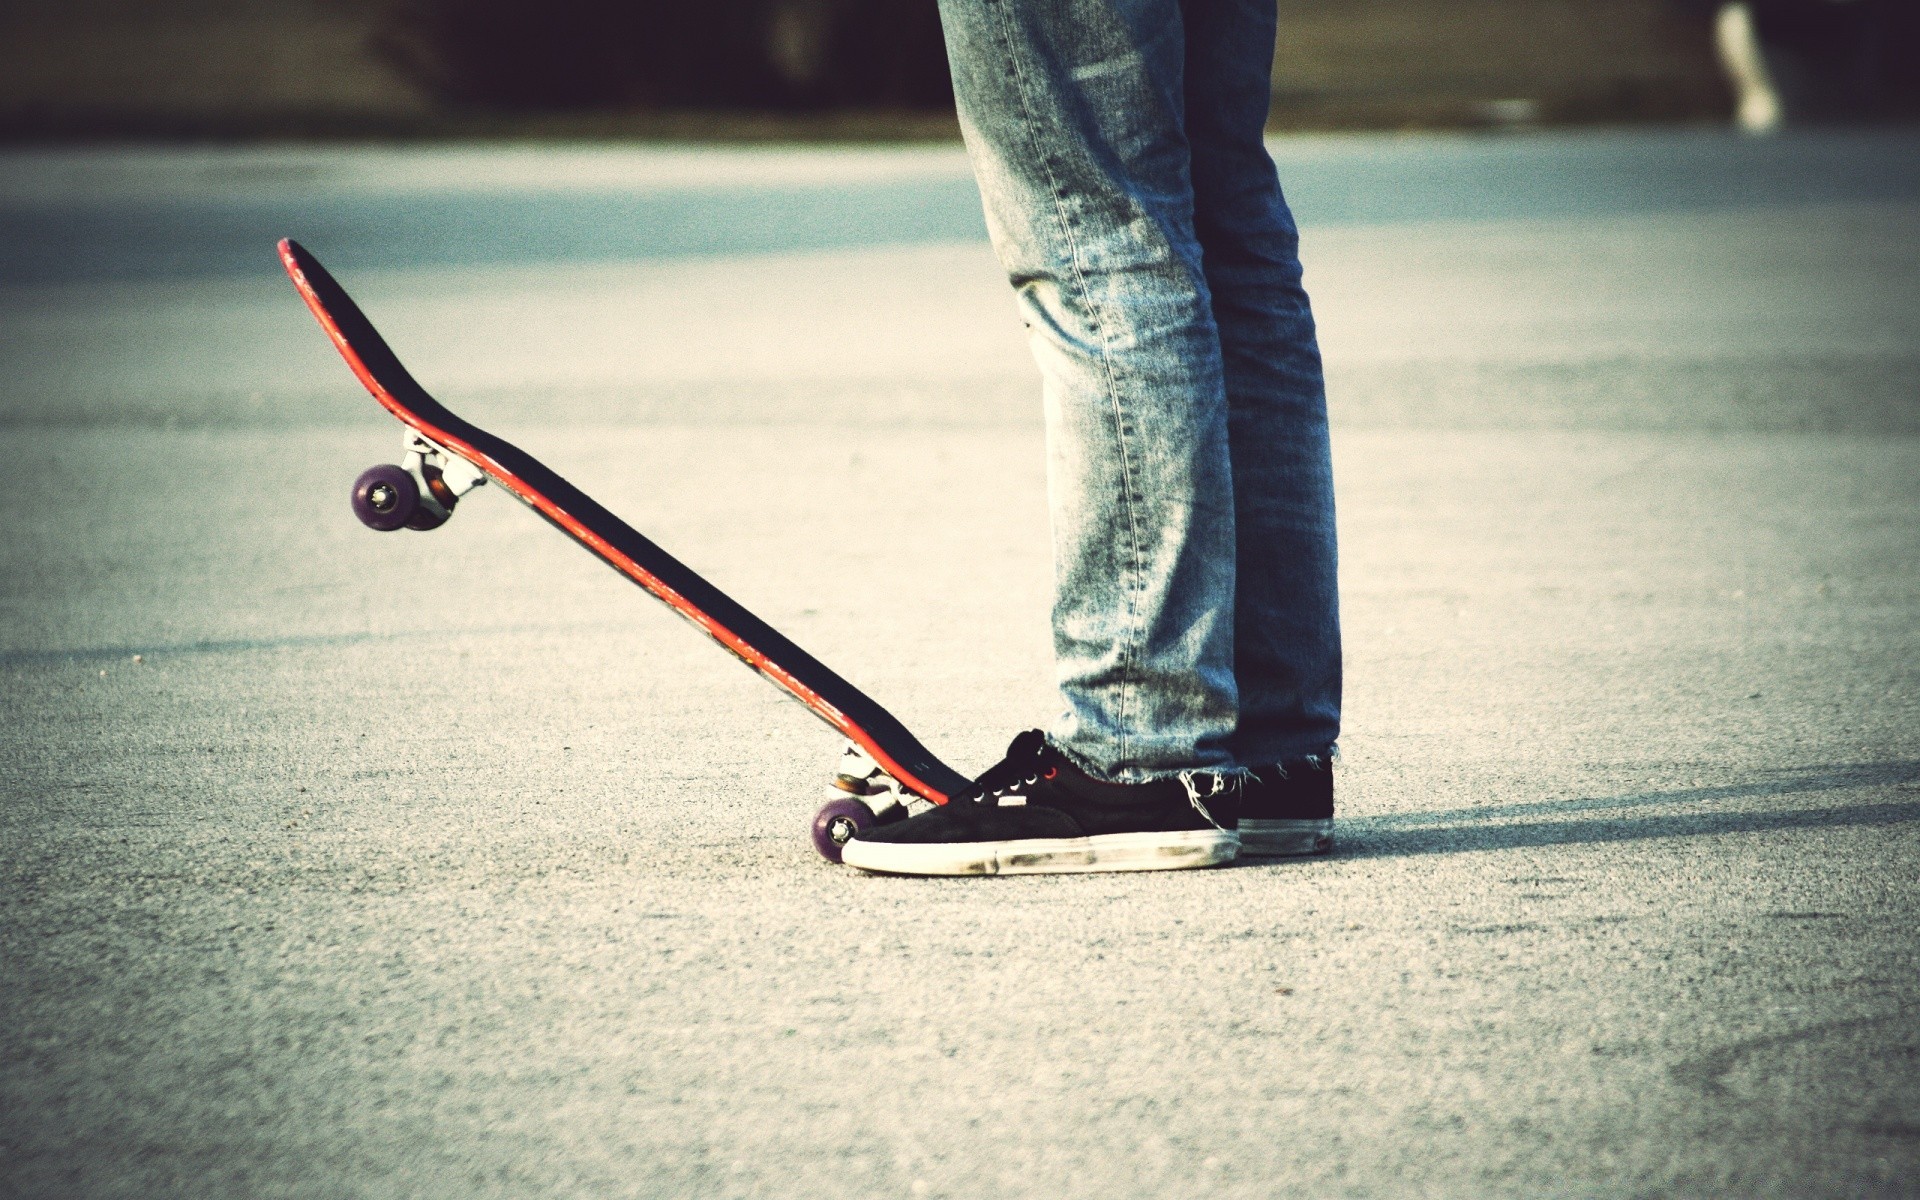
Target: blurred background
x=838, y=68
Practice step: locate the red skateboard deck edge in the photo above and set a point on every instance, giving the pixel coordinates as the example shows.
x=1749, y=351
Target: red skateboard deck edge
x=841, y=705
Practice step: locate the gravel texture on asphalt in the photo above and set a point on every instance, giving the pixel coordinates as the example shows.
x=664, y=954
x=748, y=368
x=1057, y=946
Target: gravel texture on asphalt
x=338, y=864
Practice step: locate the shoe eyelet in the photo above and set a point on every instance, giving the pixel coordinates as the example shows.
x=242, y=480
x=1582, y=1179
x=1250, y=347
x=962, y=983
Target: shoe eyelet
x=1052, y=771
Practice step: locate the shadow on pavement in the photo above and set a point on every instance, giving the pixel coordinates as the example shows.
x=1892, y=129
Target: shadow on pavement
x=1507, y=827
x=158, y=652
x=1707, y=1072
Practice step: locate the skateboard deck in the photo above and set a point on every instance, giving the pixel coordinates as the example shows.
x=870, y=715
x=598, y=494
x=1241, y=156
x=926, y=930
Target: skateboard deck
x=427, y=490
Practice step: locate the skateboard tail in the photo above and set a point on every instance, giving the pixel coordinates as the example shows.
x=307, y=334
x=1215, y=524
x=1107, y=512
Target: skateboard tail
x=381, y=373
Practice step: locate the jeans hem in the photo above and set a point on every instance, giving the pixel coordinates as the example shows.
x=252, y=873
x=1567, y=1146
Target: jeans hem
x=1149, y=776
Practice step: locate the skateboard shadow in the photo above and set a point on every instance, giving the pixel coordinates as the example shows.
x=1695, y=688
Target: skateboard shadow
x=1520, y=826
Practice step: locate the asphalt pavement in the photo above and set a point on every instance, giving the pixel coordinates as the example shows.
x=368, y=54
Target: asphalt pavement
x=346, y=864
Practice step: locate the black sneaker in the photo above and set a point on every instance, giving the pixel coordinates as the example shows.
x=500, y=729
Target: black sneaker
x=1287, y=808
x=1035, y=813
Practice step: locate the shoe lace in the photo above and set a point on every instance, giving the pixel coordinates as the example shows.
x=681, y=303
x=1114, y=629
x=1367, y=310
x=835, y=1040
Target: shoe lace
x=1028, y=760
x=1216, y=785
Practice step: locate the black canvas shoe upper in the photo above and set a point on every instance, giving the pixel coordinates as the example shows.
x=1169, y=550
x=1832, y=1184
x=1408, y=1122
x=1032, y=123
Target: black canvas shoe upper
x=1036, y=792
x=1296, y=790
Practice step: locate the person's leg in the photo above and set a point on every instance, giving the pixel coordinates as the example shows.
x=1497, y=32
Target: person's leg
x=1073, y=115
x=1287, y=623
x=1758, y=108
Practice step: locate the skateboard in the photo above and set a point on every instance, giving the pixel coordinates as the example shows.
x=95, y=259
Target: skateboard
x=884, y=773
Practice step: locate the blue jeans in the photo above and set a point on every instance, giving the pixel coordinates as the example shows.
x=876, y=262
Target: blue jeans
x=1133, y=204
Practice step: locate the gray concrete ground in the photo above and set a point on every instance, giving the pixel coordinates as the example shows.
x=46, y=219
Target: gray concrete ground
x=351, y=865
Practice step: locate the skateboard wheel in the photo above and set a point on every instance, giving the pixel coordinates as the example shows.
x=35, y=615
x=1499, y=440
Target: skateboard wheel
x=385, y=497
x=839, y=822
x=429, y=517
x=425, y=518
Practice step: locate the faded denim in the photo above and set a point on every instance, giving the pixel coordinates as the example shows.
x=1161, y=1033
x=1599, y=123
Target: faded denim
x=1135, y=209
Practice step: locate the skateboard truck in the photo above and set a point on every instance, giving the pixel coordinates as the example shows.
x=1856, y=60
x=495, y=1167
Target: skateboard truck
x=445, y=457
x=419, y=493
x=861, y=795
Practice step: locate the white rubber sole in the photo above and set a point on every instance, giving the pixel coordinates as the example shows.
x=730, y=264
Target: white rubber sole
x=1049, y=856
x=1285, y=839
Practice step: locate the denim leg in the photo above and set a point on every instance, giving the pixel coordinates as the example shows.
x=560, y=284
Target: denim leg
x=1073, y=114
x=1287, y=620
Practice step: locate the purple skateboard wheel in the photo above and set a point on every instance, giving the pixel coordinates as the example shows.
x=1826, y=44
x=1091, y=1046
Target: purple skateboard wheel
x=839, y=822
x=385, y=497
x=425, y=518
